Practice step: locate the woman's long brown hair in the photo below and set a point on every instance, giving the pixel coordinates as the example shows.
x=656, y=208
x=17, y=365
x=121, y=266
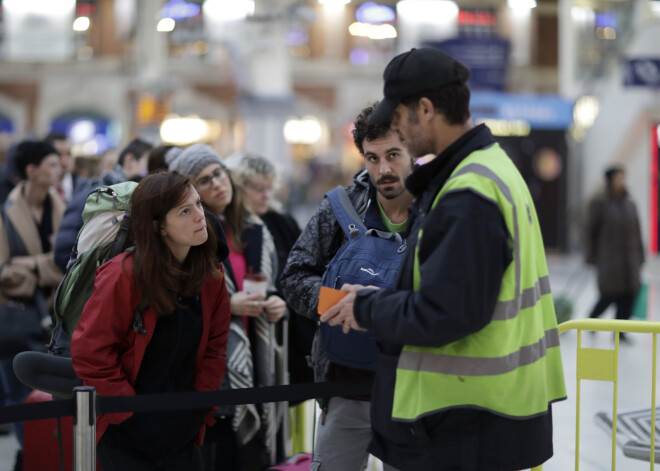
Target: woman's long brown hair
x=235, y=215
x=158, y=275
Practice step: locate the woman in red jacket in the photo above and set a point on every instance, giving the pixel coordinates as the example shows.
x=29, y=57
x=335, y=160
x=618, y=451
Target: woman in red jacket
x=186, y=322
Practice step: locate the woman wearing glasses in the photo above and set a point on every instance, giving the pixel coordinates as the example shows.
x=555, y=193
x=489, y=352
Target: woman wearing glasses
x=253, y=347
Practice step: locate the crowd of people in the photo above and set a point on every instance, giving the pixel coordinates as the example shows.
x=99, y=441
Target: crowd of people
x=465, y=361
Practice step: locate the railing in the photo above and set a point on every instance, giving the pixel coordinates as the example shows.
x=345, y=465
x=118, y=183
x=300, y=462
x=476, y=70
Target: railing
x=603, y=365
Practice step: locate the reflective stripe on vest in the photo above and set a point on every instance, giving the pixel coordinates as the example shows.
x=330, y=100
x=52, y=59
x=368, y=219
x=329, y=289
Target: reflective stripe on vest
x=516, y=356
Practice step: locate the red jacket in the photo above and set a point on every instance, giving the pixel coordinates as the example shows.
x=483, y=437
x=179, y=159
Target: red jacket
x=107, y=353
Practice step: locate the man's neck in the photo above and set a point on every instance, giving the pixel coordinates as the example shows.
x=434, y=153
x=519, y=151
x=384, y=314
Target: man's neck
x=447, y=134
x=396, y=209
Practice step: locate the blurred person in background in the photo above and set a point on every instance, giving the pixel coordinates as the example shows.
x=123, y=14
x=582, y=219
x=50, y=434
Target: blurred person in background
x=9, y=174
x=6, y=141
x=33, y=212
x=258, y=176
x=161, y=156
x=107, y=160
x=87, y=166
x=132, y=165
x=614, y=246
x=244, y=437
x=186, y=325
x=71, y=181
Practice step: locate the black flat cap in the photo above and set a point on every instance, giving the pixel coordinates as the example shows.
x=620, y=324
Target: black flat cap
x=415, y=71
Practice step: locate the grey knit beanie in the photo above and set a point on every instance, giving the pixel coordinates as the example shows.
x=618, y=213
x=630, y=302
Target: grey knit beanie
x=193, y=160
x=172, y=154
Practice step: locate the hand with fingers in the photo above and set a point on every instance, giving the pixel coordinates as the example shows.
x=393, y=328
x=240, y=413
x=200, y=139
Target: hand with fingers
x=275, y=308
x=243, y=304
x=342, y=312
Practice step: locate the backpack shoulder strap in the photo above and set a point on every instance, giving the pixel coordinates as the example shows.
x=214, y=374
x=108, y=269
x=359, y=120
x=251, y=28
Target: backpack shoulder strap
x=345, y=212
x=138, y=325
x=121, y=239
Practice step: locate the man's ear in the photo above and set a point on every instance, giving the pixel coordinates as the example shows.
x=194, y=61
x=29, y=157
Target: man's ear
x=29, y=170
x=425, y=110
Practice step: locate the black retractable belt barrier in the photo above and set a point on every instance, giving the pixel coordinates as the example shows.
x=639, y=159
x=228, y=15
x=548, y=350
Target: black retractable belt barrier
x=189, y=400
x=36, y=411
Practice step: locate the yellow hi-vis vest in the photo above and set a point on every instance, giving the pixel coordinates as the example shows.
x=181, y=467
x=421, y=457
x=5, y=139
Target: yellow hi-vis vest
x=511, y=367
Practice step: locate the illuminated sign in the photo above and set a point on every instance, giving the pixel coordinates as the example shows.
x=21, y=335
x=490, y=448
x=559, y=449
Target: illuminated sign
x=484, y=18
x=90, y=133
x=370, y=31
x=537, y=111
x=501, y=127
x=6, y=124
x=641, y=72
x=374, y=13
x=486, y=57
x=179, y=9
x=605, y=20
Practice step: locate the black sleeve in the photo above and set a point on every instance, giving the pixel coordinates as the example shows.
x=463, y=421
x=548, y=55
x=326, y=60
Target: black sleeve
x=314, y=249
x=464, y=252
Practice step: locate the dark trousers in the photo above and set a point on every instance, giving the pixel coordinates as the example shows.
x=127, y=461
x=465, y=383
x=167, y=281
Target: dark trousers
x=12, y=392
x=117, y=452
x=222, y=451
x=624, y=305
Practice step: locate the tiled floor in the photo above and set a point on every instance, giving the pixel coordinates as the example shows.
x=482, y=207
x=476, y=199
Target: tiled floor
x=569, y=276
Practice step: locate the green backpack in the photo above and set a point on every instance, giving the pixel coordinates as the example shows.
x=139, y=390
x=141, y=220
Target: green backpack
x=104, y=234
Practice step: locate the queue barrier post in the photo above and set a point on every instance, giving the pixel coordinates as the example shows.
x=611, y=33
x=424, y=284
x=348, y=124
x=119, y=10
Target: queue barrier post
x=84, y=429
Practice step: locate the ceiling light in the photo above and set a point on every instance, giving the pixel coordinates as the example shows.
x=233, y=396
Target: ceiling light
x=585, y=111
x=81, y=23
x=234, y=10
x=166, y=25
x=426, y=11
x=521, y=5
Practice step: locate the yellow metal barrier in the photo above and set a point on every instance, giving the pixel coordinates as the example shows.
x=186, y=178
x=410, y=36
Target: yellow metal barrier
x=603, y=365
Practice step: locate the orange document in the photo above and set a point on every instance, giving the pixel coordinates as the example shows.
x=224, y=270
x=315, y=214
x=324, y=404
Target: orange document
x=328, y=297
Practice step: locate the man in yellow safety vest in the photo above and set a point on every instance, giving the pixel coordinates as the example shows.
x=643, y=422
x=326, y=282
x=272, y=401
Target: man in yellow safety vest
x=469, y=359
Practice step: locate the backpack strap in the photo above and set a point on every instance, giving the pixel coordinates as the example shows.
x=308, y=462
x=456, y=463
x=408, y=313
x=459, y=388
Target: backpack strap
x=347, y=217
x=138, y=325
x=387, y=235
x=350, y=220
x=119, y=245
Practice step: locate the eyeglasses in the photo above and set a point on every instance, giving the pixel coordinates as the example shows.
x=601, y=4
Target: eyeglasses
x=262, y=189
x=205, y=182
